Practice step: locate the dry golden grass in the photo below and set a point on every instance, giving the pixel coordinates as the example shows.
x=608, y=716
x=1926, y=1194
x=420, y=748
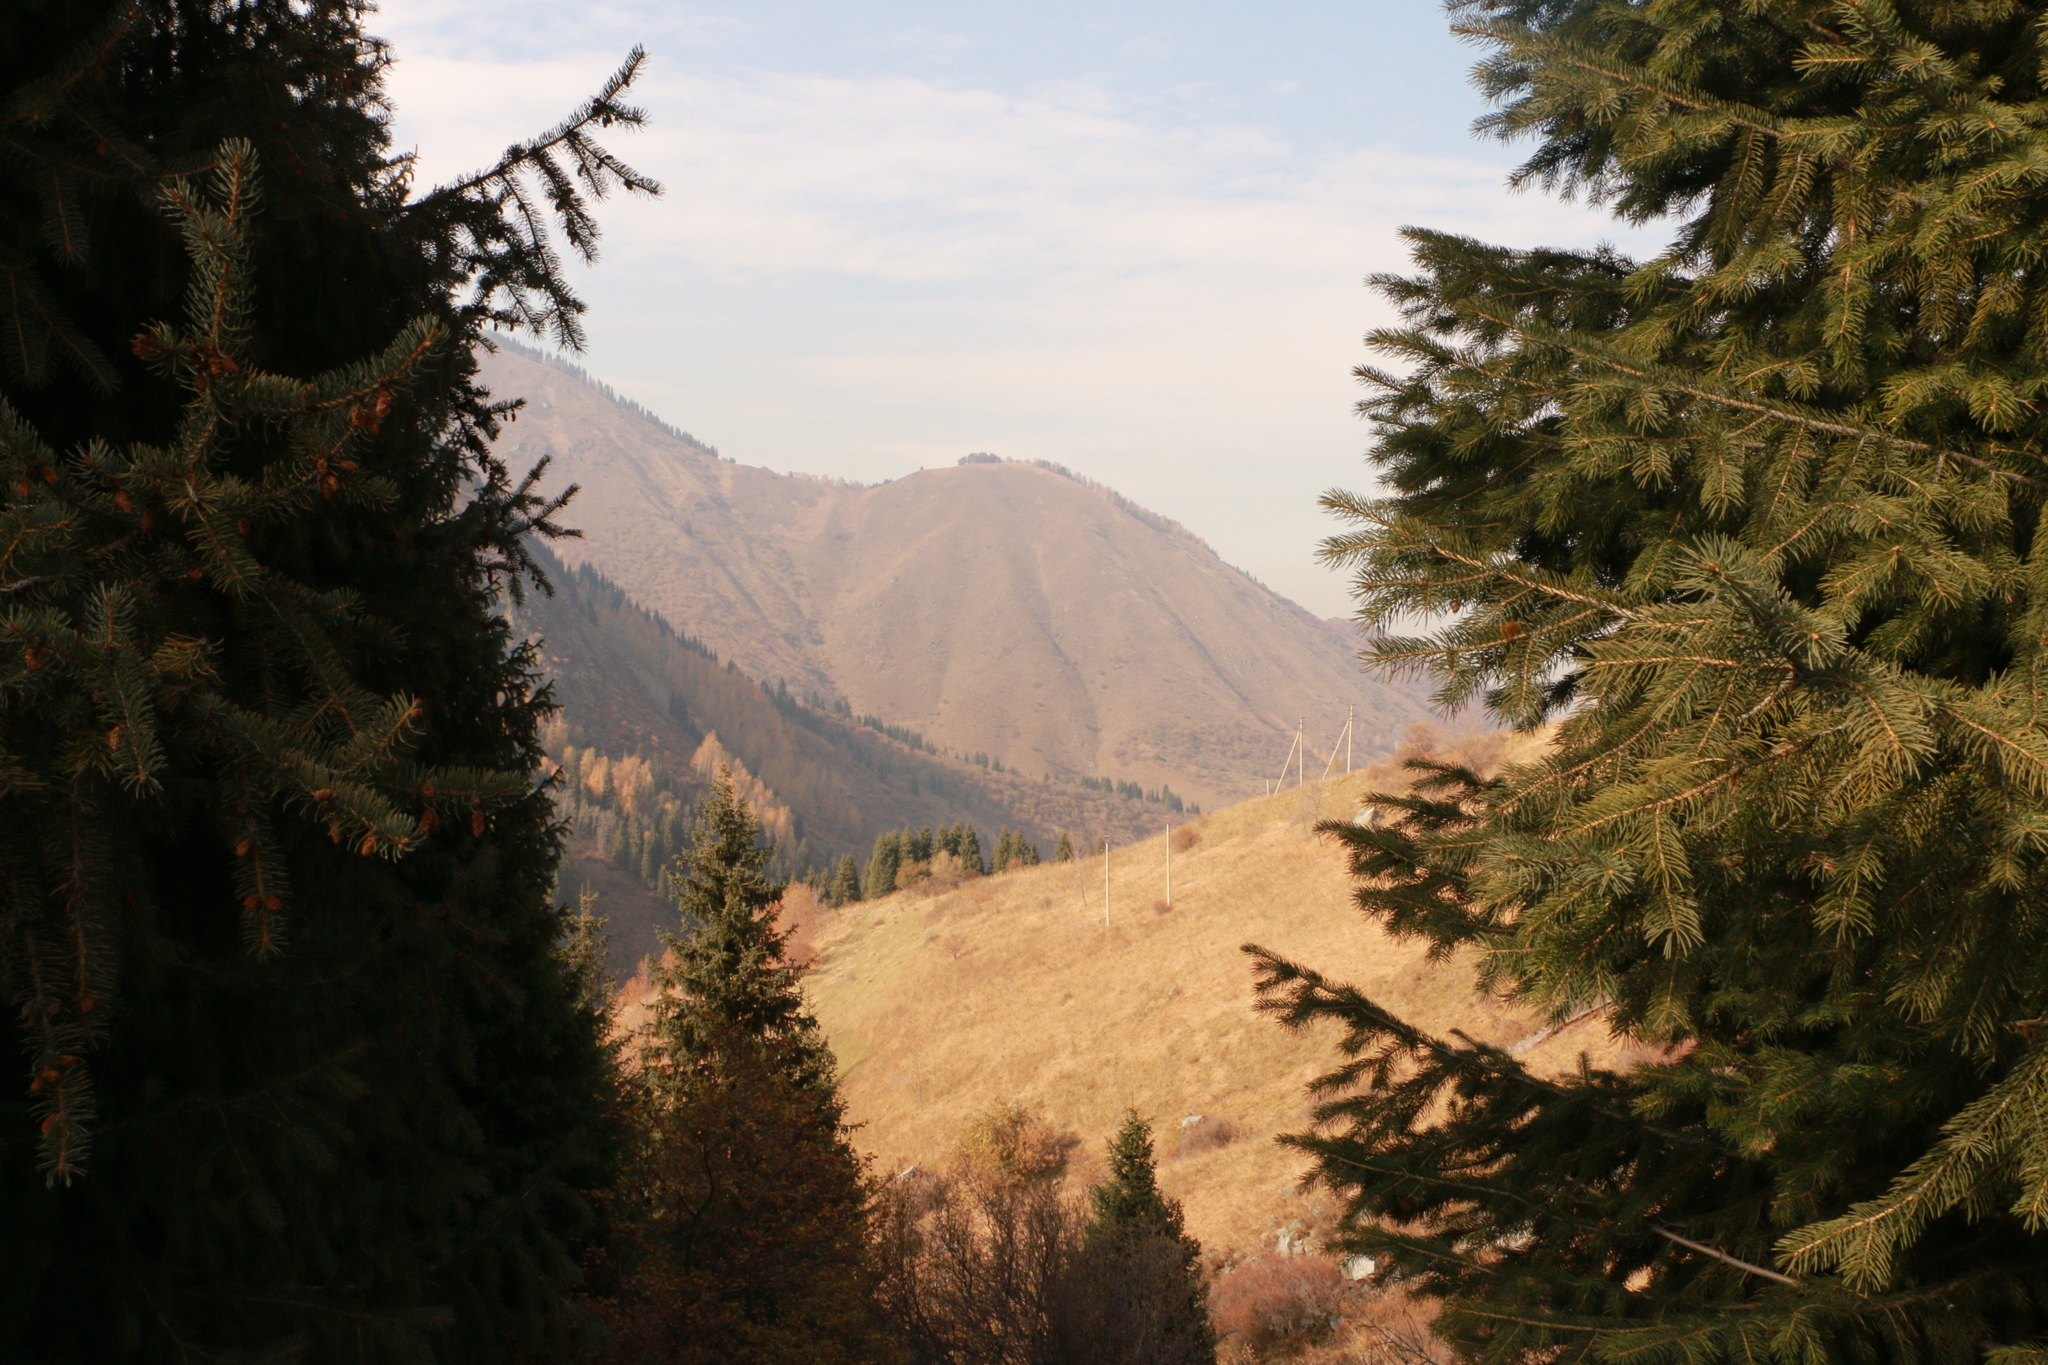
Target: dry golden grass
x=1012, y=988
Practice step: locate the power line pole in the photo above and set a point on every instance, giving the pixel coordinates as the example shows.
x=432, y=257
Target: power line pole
x=1279, y=783
x=1301, y=743
x=1345, y=736
x=1105, y=881
x=1169, y=862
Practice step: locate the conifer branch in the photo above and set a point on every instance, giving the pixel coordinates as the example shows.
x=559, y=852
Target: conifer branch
x=1746, y=1267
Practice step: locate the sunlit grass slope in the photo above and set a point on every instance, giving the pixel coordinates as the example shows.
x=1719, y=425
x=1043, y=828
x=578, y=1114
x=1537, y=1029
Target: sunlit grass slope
x=1013, y=988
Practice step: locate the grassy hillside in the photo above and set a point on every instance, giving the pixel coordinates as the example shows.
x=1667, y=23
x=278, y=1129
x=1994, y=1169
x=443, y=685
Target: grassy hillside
x=1013, y=988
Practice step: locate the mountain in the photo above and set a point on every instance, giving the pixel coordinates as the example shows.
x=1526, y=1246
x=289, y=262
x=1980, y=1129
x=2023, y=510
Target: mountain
x=648, y=713
x=999, y=607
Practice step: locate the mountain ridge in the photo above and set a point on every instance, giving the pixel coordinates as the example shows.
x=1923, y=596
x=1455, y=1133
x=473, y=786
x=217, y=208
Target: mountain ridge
x=1007, y=606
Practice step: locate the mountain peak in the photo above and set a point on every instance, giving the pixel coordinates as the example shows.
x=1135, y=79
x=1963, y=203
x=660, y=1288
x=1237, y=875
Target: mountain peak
x=1011, y=607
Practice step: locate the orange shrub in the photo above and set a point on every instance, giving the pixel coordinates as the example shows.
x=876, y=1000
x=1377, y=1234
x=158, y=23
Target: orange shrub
x=1273, y=1301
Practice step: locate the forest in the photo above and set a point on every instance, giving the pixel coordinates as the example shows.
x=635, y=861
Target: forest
x=315, y=1060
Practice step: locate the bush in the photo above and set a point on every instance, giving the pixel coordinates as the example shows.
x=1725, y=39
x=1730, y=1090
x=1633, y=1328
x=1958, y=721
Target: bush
x=1206, y=1134
x=1186, y=837
x=1278, y=1302
x=990, y=1262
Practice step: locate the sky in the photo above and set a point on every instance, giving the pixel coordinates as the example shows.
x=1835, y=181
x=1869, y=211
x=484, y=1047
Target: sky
x=1127, y=236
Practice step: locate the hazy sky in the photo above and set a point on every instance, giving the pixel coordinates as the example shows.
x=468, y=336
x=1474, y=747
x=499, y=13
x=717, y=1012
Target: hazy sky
x=1129, y=237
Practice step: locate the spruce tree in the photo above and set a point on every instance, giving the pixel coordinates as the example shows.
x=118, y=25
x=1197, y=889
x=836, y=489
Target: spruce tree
x=1753, y=524
x=306, y=1075
x=1136, y=1293
x=1005, y=844
x=752, y=1205
x=845, y=887
x=1063, y=851
x=726, y=966
x=1129, y=1200
x=967, y=848
x=882, y=864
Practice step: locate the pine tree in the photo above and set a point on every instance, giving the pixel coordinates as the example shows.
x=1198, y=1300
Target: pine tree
x=726, y=968
x=967, y=848
x=753, y=1206
x=1005, y=843
x=1136, y=1293
x=1753, y=523
x=919, y=845
x=845, y=888
x=1129, y=1200
x=583, y=953
x=882, y=864
x=1063, y=851
x=306, y=1074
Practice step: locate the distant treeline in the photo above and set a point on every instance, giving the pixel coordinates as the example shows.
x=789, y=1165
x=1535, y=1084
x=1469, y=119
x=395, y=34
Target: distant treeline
x=599, y=593
x=1101, y=490
x=904, y=857
x=1161, y=795
x=555, y=362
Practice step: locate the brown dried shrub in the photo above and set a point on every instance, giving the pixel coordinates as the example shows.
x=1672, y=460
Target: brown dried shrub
x=1273, y=1302
x=1206, y=1134
x=1392, y=1329
x=1186, y=837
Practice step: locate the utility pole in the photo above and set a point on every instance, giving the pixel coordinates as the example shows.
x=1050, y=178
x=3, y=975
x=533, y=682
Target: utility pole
x=1105, y=881
x=1169, y=862
x=1301, y=743
x=1280, y=782
x=1345, y=735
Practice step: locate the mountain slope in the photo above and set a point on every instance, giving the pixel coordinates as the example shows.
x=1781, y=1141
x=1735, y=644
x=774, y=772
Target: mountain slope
x=994, y=606
x=1012, y=989
x=647, y=713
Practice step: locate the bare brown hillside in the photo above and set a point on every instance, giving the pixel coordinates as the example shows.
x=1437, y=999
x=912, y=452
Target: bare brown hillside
x=998, y=607
x=1012, y=989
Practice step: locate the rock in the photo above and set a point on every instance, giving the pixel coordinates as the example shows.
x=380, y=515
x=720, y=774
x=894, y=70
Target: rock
x=1358, y=1267
x=1369, y=817
x=1191, y=1120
